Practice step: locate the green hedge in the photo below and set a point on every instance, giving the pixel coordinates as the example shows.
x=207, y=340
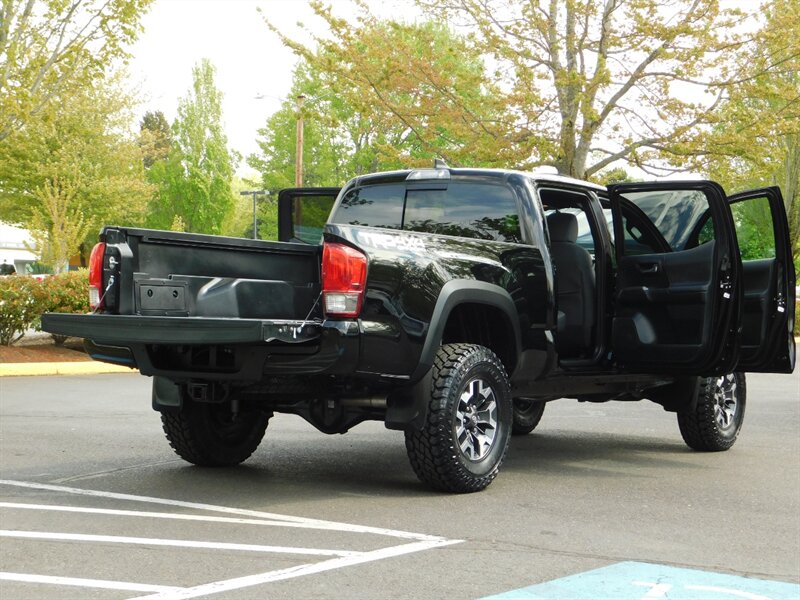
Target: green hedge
x=23, y=299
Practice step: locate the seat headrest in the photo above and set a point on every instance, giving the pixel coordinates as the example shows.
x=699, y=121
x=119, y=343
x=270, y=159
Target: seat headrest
x=563, y=227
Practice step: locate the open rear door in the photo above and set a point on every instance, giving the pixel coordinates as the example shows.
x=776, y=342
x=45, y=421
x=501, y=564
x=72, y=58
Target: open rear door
x=303, y=212
x=676, y=302
x=767, y=339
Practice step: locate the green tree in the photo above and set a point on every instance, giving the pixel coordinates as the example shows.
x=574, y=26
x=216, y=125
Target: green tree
x=48, y=47
x=155, y=137
x=195, y=179
x=57, y=225
x=73, y=169
x=596, y=81
x=756, y=141
x=615, y=175
x=239, y=222
x=328, y=160
x=399, y=94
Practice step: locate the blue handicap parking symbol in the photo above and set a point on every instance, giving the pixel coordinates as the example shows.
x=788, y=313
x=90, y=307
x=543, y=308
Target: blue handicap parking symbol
x=642, y=581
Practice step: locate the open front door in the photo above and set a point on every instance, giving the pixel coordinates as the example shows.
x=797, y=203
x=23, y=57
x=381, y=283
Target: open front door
x=768, y=280
x=676, y=302
x=303, y=212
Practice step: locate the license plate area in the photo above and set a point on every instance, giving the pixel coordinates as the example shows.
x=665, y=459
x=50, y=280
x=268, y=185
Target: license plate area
x=161, y=297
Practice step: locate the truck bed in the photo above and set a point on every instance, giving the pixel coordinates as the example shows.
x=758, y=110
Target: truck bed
x=199, y=306
x=192, y=275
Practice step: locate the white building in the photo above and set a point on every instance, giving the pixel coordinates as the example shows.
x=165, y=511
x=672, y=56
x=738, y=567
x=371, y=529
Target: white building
x=14, y=244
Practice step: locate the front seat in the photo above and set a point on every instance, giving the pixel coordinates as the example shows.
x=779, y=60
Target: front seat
x=575, y=287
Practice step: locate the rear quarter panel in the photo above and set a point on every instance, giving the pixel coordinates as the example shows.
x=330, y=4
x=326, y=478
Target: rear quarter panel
x=406, y=273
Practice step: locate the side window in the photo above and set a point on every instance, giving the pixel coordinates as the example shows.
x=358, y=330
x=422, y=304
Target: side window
x=754, y=228
x=585, y=237
x=373, y=206
x=473, y=210
x=575, y=203
x=665, y=220
x=638, y=239
x=706, y=233
x=310, y=215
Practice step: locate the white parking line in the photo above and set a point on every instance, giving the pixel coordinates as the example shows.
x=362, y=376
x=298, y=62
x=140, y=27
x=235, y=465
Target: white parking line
x=298, y=571
x=166, y=515
x=310, y=523
x=342, y=558
x=89, y=583
x=119, y=539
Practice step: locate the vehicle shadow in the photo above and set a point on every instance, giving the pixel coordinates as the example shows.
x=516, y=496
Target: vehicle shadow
x=314, y=467
x=286, y=468
x=598, y=454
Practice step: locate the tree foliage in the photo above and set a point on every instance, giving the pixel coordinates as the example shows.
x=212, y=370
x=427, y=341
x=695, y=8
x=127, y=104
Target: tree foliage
x=50, y=46
x=327, y=160
x=72, y=169
x=575, y=84
x=155, y=137
x=399, y=94
x=57, y=225
x=756, y=141
x=596, y=81
x=194, y=180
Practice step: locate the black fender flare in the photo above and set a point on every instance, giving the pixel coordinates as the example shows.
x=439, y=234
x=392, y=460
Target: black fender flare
x=465, y=291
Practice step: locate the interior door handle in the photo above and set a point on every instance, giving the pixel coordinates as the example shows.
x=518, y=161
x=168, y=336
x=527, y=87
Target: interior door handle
x=648, y=269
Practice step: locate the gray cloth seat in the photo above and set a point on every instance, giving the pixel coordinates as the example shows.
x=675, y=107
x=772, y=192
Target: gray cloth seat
x=575, y=286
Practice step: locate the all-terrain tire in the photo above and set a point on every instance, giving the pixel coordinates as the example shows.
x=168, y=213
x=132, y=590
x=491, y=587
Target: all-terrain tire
x=716, y=421
x=467, y=429
x=210, y=435
x=527, y=414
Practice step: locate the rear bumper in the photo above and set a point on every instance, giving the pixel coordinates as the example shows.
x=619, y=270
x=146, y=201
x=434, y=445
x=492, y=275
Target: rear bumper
x=171, y=346
x=130, y=329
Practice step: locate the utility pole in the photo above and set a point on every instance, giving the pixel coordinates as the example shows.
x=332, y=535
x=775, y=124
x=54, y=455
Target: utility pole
x=298, y=166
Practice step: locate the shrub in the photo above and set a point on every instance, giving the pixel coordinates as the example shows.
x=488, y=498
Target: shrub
x=67, y=292
x=23, y=300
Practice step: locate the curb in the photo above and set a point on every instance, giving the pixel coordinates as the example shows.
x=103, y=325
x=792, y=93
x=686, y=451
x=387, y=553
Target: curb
x=61, y=368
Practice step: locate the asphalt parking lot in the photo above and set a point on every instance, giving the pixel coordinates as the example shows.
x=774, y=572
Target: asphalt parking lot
x=93, y=504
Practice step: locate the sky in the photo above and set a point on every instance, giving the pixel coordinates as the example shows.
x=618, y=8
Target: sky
x=253, y=68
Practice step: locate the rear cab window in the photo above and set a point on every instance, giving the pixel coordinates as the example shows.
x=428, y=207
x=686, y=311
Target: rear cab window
x=464, y=207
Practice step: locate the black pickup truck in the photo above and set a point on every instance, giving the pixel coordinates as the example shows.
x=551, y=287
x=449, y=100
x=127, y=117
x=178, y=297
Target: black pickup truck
x=451, y=304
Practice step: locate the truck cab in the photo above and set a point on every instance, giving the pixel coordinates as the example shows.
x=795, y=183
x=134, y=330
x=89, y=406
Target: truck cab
x=673, y=278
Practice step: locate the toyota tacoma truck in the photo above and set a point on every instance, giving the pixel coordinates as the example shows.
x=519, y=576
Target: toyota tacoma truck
x=452, y=304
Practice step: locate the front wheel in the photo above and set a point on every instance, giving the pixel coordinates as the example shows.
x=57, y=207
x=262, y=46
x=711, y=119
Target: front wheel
x=467, y=429
x=716, y=421
x=214, y=435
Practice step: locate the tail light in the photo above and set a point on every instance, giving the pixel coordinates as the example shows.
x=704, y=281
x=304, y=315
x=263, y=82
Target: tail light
x=96, y=276
x=344, y=276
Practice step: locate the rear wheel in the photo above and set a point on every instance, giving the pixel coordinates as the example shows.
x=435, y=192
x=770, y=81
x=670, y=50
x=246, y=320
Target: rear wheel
x=527, y=414
x=716, y=421
x=465, y=436
x=214, y=435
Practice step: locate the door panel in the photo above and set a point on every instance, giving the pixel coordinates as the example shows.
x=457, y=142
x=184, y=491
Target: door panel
x=768, y=279
x=664, y=306
x=676, y=301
